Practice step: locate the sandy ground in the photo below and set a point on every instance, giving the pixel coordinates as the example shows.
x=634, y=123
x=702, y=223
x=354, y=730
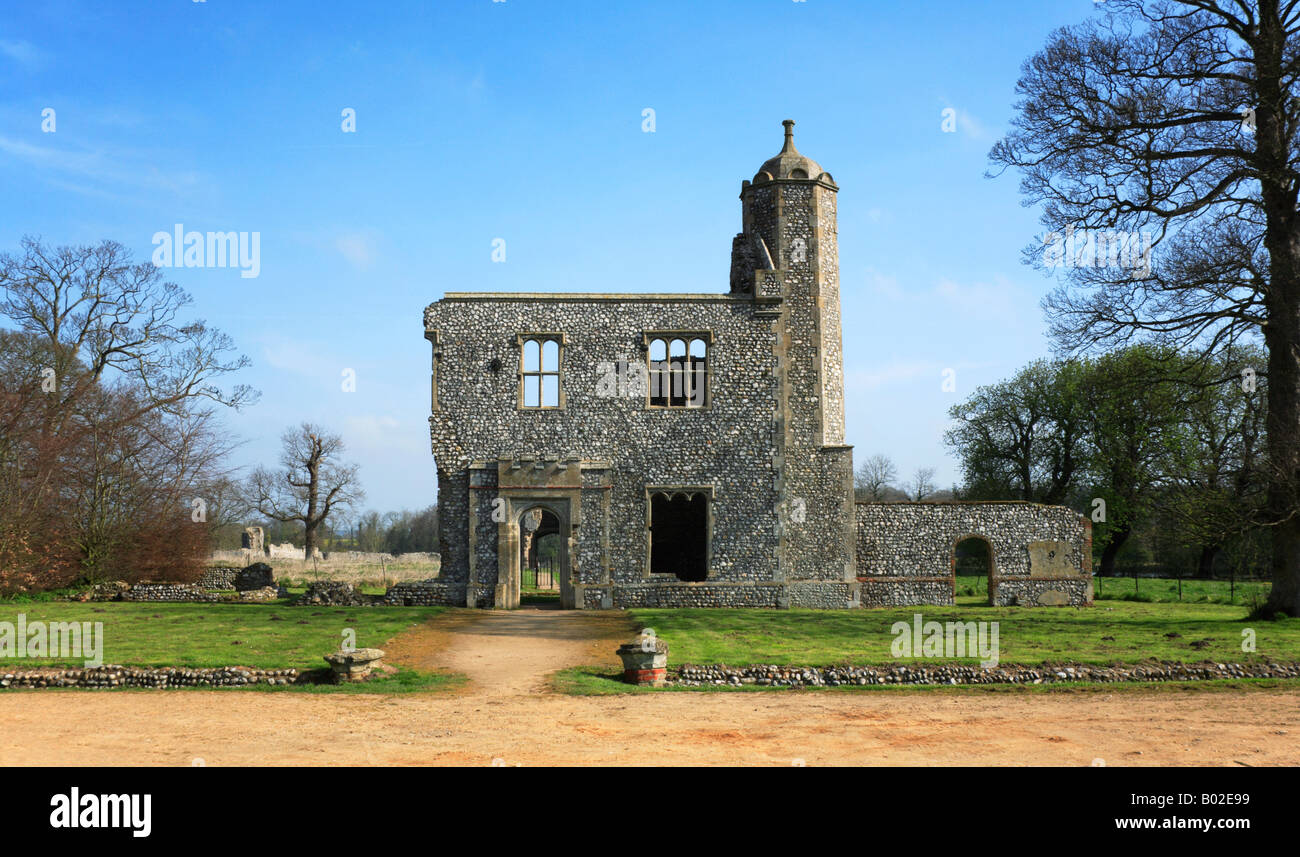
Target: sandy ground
x=506, y=716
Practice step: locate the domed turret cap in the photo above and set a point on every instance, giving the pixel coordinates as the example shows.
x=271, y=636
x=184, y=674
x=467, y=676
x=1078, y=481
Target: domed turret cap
x=789, y=164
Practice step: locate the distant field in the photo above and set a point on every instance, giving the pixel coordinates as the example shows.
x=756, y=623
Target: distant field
x=369, y=574
x=1111, y=632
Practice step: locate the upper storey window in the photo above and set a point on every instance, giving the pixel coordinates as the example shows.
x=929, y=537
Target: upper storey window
x=678, y=365
x=539, y=370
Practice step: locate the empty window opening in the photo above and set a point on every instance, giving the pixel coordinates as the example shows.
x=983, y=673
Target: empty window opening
x=972, y=568
x=679, y=535
x=540, y=373
x=678, y=370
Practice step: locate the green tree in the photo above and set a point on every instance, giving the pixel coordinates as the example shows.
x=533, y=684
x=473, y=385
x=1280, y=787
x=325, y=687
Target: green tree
x=1135, y=432
x=1021, y=439
x=1217, y=491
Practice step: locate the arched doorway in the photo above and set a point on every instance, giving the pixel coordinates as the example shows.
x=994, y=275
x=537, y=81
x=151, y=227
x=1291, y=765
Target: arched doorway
x=542, y=560
x=539, y=534
x=972, y=569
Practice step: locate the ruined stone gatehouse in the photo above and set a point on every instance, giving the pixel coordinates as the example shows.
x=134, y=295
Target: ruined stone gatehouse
x=688, y=449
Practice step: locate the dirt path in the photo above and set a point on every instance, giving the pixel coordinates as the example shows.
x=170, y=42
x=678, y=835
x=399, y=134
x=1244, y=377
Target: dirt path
x=511, y=653
x=505, y=715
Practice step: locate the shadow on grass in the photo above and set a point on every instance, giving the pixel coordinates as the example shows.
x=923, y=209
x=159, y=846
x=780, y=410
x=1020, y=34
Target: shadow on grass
x=404, y=680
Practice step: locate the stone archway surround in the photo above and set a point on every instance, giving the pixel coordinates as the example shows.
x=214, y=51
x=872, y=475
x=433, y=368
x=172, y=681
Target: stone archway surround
x=509, y=546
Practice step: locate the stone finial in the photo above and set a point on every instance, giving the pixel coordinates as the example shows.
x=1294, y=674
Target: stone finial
x=789, y=136
x=789, y=163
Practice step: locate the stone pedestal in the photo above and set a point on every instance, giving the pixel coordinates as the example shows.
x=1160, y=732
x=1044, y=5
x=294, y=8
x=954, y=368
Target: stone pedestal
x=645, y=661
x=356, y=665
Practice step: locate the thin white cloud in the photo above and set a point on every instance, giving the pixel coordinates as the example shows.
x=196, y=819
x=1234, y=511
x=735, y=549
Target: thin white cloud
x=397, y=442
x=358, y=248
x=861, y=380
x=1000, y=299
x=24, y=54
x=301, y=358
x=970, y=125
x=372, y=429
x=884, y=285
x=973, y=127
x=100, y=167
x=896, y=372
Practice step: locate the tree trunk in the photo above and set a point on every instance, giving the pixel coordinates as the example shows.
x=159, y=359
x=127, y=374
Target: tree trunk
x=1283, y=338
x=1205, y=565
x=1282, y=301
x=311, y=521
x=1117, y=540
x=1285, y=595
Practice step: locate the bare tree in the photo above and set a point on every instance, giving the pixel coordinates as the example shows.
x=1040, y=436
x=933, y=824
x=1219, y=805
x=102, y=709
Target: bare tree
x=311, y=485
x=1177, y=122
x=133, y=487
x=873, y=477
x=922, y=485
x=119, y=393
x=35, y=549
x=101, y=318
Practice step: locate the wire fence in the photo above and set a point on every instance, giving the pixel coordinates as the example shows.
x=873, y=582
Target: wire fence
x=1176, y=572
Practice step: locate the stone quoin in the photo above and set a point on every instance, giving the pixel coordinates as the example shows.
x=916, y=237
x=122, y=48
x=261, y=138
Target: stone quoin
x=687, y=450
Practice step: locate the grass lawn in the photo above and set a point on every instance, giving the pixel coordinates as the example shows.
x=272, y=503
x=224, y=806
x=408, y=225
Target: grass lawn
x=265, y=636
x=1111, y=632
x=539, y=597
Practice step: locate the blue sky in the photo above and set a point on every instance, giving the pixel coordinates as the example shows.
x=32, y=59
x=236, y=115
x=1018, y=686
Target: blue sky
x=522, y=120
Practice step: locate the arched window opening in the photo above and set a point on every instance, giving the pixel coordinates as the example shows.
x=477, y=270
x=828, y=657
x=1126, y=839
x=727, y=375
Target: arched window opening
x=679, y=535
x=678, y=372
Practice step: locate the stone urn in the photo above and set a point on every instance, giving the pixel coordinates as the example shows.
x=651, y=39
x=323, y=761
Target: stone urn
x=645, y=661
x=355, y=665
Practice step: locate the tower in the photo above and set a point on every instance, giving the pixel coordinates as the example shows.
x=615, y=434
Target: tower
x=787, y=259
